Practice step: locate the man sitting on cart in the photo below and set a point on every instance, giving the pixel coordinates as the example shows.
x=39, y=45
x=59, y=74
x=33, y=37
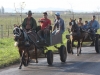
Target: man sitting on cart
x=59, y=25
x=44, y=23
x=93, y=25
x=85, y=26
x=28, y=24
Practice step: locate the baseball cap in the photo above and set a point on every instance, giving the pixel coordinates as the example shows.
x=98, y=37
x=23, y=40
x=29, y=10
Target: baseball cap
x=57, y=14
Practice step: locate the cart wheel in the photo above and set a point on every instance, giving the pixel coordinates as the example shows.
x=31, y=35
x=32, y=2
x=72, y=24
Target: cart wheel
x=50, y=57
x=25, y=58
x=63, y=53
x=68, y=46
x=97, y=45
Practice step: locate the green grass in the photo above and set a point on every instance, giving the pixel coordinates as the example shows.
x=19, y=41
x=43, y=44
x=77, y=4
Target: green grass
x=8, y=20
x=8, y=53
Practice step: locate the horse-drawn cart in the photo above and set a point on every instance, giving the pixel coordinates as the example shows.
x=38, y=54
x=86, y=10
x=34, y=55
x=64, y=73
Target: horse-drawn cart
x=34, y=49
x=96, y=42
x=53, y=40
x=81, y=35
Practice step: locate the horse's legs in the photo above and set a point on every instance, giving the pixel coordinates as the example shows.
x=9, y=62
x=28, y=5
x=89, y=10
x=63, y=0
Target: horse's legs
x=78, y=48
x=20, y=52
x=21, y=57
x=28, y=60
x=71, y=44
x=36, y=54
x=72, y=47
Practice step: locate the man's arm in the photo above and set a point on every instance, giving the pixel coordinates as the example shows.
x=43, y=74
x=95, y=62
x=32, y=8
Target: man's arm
x=54, y=25
x=23, y=24
x=62, y=26
x=97, y=26
x=34, y=24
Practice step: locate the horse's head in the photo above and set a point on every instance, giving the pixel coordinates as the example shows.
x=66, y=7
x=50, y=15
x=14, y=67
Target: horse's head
x=18, y=32
x=73, y=24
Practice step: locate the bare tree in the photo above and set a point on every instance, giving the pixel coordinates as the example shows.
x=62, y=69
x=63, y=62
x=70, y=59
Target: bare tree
x=22, y=6
x=98, y=8
x=71, y=11
x=17, y=12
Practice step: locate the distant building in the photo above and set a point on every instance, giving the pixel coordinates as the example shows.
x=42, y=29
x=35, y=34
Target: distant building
x=2, y=10
x=61, y=12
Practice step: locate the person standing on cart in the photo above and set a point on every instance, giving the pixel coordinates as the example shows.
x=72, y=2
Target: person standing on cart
x=93, y=25
x=58, y=25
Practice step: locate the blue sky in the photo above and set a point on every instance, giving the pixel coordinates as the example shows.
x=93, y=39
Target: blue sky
x=76, y=5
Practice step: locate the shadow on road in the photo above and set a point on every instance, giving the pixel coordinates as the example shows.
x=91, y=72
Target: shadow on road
x=68, y=67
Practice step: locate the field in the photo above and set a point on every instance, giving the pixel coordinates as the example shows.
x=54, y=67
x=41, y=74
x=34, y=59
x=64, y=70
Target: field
x=9, y=53
x=8, y=20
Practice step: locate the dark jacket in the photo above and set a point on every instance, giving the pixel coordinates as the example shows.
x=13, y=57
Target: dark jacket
x=33, y=23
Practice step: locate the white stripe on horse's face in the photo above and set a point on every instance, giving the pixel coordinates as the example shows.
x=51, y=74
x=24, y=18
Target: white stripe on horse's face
x=17, y=31
x=72, y=23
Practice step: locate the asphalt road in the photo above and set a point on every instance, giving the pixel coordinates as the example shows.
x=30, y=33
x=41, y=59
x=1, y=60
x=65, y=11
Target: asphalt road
x=88, y=63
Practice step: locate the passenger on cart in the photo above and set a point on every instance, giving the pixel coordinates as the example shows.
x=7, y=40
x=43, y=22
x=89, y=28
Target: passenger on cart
x=85, y=26
x=80, y=25
x=59, y=25
x=45, y=24
x=93, y=25
x=79, y=22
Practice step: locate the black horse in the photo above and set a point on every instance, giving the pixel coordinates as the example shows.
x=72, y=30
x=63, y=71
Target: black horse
x=76, y=34
x=27, y=47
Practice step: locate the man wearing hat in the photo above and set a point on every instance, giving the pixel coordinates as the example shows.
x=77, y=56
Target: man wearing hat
x=29, y=22
x=44, y=23
x=94, y=26
x=59, y=25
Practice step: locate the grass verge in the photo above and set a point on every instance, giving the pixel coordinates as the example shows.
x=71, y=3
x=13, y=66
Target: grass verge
x=8, y=53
